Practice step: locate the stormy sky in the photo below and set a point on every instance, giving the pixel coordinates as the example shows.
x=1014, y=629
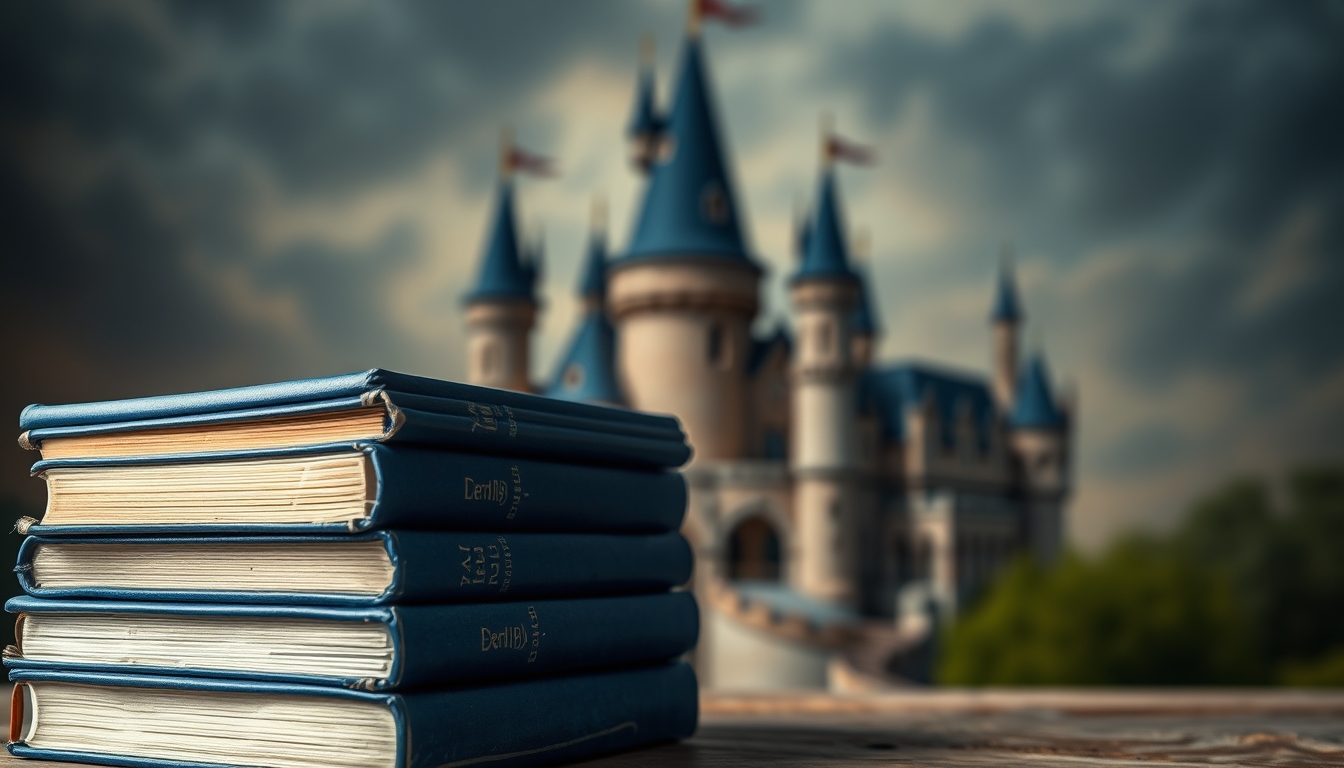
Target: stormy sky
x=197, y=195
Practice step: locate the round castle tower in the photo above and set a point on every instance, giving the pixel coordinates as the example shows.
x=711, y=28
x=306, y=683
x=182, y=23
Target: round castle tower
x=825, y=292
x=502, y=307
x=685, y=292
x=1006, y=321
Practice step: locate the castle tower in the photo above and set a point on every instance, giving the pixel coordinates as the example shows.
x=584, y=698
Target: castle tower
x=864, y=323
x=684, y=293
x=502, y=307
x=825, y=292
x=1038, y=434
x=1006, y=321
x=587, y=371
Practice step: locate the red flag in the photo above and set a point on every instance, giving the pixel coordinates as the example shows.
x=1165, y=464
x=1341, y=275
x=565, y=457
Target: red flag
x=519, y=159
x=732, y=15
x=840, y=149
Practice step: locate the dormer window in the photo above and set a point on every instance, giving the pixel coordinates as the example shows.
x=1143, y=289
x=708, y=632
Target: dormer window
x=573, y=378
x=714, y=203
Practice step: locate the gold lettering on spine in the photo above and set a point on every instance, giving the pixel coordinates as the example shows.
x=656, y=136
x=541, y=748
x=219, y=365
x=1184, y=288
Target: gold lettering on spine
x=524, y=636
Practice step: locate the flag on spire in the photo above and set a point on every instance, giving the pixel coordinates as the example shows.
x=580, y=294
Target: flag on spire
x=723, y=11
x=838, y=148
x=517, y=159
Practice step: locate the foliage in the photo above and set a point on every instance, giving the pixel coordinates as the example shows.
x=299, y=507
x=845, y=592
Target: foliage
x=1240, y=593
x=1327, y=671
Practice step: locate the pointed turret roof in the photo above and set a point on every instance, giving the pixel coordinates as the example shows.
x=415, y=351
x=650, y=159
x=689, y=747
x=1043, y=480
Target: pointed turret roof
x=864, y=319
x=689, y=208
x=826, y=253
x=587, y=371
x=1006, y=307
x=644, y=117
x=593, y=281
x=504, y=273
x=1035, y=407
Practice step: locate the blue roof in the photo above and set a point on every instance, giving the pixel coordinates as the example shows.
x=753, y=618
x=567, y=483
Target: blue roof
x=863, y=319
x=587, y=372
x=783, y=601
x=644, y=118
x=1035, y=406
x=504, y=272
x=826, y=254
x=593, y=281
x=689, y=206
x=1006, y=309
x=896, y=389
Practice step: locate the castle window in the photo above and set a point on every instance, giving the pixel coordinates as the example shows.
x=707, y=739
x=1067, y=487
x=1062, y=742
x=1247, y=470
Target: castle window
x=719, y=347
x=715, y=204
x=573, y=378
x=753, y=551
x=775, y=446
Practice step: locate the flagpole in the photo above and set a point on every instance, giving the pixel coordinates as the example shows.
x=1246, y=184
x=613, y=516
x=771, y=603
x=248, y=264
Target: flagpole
x=693, y=19
x=827, y=130
x=599, y=215
x=505, y=153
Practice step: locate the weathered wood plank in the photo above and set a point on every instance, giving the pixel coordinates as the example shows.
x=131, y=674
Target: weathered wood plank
x=1293, y=729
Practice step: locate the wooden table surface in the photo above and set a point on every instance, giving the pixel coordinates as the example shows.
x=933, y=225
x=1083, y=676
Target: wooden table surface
x=1003, y=727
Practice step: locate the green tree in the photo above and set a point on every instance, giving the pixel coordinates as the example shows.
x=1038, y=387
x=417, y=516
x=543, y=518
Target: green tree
x=1239, y=593
x=1138, y=616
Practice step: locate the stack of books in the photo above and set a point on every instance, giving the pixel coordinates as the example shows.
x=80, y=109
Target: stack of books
x=364, y=570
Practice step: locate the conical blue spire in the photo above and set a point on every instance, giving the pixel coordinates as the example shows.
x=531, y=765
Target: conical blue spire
x=1006, y=308
x=587, y=371
x=864, y=320
x=504, y=272
x=688, y=207
x=644, y=118
x=827, y=254
x=1035, y=407
x=593, y=281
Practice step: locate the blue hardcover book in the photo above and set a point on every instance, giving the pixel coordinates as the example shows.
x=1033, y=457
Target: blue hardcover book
x=383, y=417
x=372, y=405
x=164, y=722
x=351, y=488
x=378, y=568
x=380, y=648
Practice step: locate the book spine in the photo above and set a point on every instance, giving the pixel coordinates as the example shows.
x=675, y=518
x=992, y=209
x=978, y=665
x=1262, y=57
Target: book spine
x=495, y=429
x=550, y=721
x=472, y=567
x=442, y=645
x=431, y=490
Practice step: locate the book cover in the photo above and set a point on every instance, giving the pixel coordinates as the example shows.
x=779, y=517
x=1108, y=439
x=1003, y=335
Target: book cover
x=511, y=724
x=408, y=488
x=425, y=566
x=374, y=648
x=472, y=426
x=350, y=385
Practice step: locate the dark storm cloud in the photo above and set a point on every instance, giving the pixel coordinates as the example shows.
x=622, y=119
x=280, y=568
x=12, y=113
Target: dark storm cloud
x=1217, y=141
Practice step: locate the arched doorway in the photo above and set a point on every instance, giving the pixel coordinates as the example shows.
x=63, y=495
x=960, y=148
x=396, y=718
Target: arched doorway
x=753, y=551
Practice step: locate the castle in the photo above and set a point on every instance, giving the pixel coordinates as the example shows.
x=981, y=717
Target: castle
x=838, y=506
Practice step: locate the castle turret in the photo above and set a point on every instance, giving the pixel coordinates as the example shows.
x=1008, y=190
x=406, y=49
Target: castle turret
x=825, y=292
x=864, y=321
x=587, y=371
x=684, y=293
x=1039, y=435
x=502, y=307
x=1006, y=321
x=645, y=129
